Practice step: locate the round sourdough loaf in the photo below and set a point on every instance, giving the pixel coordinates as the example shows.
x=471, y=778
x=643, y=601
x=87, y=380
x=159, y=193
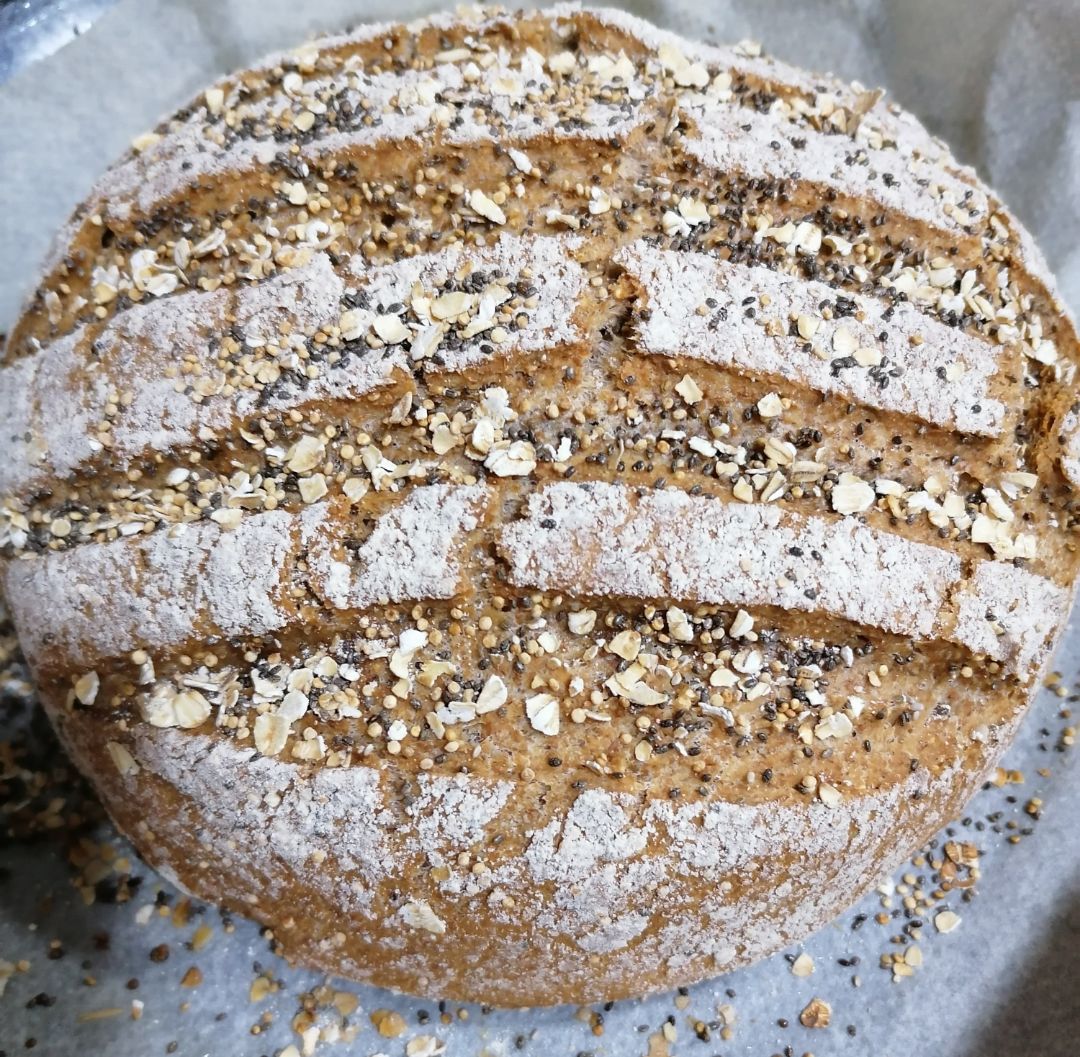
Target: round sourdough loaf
x=533, y=509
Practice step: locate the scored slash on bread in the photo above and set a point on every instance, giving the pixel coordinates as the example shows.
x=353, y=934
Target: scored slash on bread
x=201, y=582
x=532, y=484
x=697, y=306
x=603, y=539
x=410, y=103
x=56, y=409
x=97, y=602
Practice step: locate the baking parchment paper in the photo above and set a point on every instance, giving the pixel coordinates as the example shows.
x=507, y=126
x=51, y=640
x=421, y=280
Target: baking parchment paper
x=1000, y=80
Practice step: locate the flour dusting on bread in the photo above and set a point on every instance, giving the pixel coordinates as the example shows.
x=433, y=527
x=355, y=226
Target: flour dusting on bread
x=534, y=509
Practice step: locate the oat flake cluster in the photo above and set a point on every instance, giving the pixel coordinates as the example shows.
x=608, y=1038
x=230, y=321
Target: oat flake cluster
x=534, y=509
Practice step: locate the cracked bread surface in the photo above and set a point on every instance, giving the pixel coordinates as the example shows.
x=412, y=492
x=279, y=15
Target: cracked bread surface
x=534, y=509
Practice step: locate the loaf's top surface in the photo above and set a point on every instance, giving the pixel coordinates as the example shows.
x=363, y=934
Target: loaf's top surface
x=546, y=398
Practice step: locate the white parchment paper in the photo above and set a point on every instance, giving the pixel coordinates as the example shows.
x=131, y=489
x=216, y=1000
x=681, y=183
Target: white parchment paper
x=1000, y=80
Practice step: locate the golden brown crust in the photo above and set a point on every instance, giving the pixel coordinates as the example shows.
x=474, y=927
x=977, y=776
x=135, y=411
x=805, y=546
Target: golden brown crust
x=318, y=899
x=533, y=483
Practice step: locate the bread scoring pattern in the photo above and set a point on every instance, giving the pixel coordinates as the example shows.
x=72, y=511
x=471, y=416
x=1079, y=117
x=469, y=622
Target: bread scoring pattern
x=534, y=481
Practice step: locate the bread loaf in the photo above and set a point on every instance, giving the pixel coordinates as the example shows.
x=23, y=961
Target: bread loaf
x=534, y=509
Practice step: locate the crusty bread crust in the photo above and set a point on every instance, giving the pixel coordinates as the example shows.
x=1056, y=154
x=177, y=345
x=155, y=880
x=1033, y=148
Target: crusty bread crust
x=533, y=509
